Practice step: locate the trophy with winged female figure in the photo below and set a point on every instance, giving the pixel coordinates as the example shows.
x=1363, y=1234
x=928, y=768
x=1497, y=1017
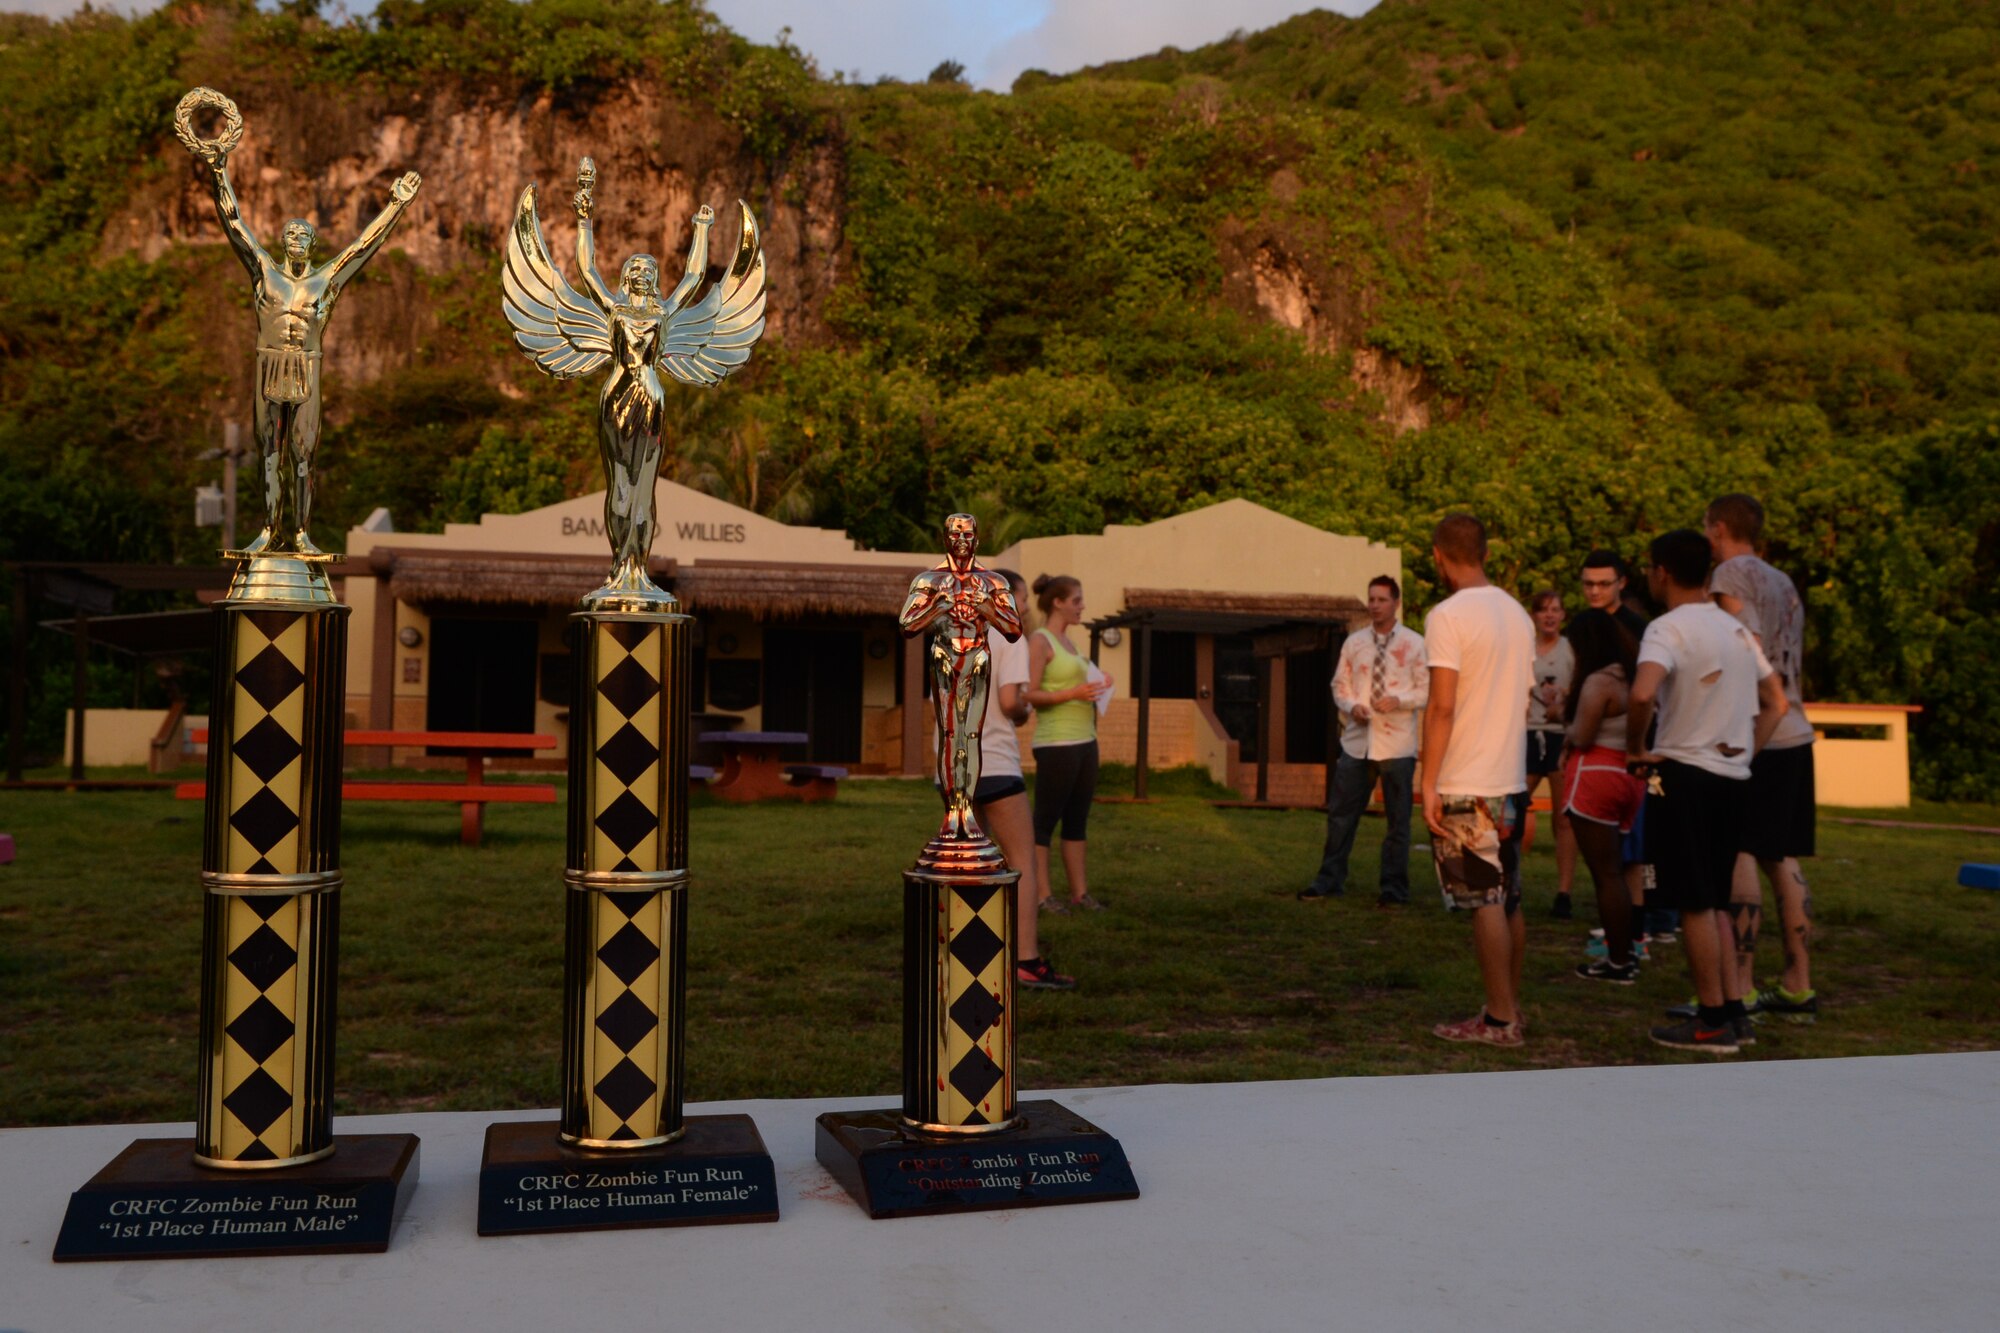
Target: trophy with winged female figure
x=639, y=334
x=626, y=910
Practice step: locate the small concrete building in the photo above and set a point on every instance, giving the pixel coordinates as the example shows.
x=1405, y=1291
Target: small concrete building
x=464, y=630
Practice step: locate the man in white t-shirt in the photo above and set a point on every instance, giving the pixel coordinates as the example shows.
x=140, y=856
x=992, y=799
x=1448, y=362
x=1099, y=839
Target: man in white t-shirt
x=1779, y=828
x=1717, y=703
x=1379, y=687
x=1481, y=647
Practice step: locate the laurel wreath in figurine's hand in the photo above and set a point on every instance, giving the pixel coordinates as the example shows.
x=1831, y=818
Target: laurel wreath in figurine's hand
x=586, y=181
x=405, y=187
x=214, y=151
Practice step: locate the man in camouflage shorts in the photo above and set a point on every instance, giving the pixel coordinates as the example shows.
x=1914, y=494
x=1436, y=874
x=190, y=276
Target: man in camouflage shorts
x=1481, y=650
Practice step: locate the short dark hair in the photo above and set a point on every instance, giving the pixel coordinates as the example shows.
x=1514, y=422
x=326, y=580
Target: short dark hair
x=1462, y=538
x=1384, y=581
x=1543, y=598
x=1603, y=559
x=1684, y=555
x=1741, y=516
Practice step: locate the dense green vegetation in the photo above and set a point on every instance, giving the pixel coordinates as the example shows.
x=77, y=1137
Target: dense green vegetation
x=1614, y=259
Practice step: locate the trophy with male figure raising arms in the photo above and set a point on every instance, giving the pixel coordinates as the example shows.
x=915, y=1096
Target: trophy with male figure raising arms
x=262, y=1173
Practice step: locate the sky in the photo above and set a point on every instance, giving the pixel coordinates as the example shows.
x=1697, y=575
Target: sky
x=994, y=39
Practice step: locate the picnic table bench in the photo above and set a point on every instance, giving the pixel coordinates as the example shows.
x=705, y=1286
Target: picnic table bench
x=472, y=795
x=753, y=771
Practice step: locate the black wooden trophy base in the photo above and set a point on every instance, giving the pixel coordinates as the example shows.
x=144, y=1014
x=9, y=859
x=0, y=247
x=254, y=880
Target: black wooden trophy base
x=1052, y=1156
x=153, y=1202
x=530, y=1180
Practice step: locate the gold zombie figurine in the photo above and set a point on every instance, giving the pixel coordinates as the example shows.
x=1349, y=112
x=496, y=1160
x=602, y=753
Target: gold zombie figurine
x=638, y=333
x=955, y=601
x=294, y=300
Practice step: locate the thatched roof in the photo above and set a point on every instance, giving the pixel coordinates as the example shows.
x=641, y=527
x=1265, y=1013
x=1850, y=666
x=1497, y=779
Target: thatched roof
x=1313, y=608
x=772, y=589
x=494, y=577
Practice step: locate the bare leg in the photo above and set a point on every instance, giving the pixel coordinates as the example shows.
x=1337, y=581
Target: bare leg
x=1705, y=951
x=1517, y=957
x=1566, y=852
x=1493, y=945
x=1042, y=881
x=1012, y=826
x=1598, y=845
x=1788, y=882
x=1072, y=856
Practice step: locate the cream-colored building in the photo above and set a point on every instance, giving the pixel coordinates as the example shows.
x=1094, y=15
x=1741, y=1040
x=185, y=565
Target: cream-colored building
x=464, y=630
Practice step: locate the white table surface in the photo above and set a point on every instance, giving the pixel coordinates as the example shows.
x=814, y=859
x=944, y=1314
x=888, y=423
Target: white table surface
x=1799, y=1195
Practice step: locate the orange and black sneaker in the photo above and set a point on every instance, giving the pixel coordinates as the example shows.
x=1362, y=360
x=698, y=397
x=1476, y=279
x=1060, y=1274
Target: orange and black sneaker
x=1694, y=1035
x=1036, y=974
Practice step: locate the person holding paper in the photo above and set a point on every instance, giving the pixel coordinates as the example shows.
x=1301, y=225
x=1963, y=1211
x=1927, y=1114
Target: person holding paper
x=1067, y=691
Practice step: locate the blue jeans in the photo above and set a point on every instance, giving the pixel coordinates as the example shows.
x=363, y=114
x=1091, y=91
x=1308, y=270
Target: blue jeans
x=1353, y=779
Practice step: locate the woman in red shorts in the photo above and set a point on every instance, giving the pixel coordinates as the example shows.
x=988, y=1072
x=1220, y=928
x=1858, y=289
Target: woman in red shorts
x=1600, y=797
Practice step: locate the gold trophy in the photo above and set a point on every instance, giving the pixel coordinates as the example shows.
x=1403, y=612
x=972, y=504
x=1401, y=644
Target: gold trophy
x=961, y=1143
x=623, y=1154
x=263, y=1156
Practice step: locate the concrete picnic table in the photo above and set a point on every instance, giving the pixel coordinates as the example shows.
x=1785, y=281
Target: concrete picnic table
x=753, y=771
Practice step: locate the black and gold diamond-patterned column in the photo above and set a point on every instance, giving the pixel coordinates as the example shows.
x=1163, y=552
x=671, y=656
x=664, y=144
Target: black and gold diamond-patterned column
x=271, y=869
x=625, y=935
x=958, y=1002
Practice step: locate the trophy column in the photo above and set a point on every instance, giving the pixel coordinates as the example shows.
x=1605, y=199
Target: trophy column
x=625, y=926
x=271, y=875
x=958, y=1001
x=623, y=1154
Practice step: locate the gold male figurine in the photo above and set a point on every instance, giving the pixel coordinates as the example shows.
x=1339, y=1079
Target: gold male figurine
x=294, y=301
x=956, y=601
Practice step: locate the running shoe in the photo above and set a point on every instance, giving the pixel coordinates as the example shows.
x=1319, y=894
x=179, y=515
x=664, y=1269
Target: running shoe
x=1476, y=1029
x=1596, y=948
x=1687, y=1010
x=1036, y=974
x=1665, y=937
x=1603, y=969
x=1746, y=1031
x=1085, y=904
x=1053, y=906
x=1313, y=893
x=1561, y=910
x=1692, y=1036
x=1788, y=1005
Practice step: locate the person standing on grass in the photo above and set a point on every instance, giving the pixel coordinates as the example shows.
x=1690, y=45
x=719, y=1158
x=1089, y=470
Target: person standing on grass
x=1548, y=702
x=1718, y=702
x=1001, y=799
x=1603, y=582
x=1379, y=686
x=1481, y=647
x=1780, y=829
x=1601, y=799
x=1064, y=694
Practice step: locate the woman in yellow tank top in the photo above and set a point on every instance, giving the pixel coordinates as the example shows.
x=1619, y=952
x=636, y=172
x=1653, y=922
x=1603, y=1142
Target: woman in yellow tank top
x=1065, y=701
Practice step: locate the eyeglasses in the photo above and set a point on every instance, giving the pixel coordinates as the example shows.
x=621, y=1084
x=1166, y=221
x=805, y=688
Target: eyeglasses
x=1600, y=583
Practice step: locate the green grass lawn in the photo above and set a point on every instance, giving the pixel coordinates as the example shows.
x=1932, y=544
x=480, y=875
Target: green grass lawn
x=1204, y=969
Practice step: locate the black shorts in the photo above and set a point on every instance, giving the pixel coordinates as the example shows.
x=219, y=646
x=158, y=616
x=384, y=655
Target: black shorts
x=1694, y=821
x=998, y=788
x=1782, y=808
x=1544, y=753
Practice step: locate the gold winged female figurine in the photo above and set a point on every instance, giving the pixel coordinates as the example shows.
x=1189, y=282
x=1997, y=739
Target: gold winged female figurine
x=639, y=334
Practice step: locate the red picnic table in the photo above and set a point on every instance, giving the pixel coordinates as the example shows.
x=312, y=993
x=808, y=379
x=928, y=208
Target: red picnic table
x=753, y=771
x=472, y=795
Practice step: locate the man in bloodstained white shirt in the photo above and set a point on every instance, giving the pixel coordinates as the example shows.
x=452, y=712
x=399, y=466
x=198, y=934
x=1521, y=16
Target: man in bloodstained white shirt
x=1717, y=703
x=1380, y=684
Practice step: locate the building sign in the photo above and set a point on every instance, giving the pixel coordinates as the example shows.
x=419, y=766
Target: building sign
x=687, y=532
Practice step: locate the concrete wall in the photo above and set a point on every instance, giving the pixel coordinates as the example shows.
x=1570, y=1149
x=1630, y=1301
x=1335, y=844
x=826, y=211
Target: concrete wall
x=123, y=737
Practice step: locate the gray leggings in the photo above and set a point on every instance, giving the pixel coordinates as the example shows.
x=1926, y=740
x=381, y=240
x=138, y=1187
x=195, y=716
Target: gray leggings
x=1065, y=780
